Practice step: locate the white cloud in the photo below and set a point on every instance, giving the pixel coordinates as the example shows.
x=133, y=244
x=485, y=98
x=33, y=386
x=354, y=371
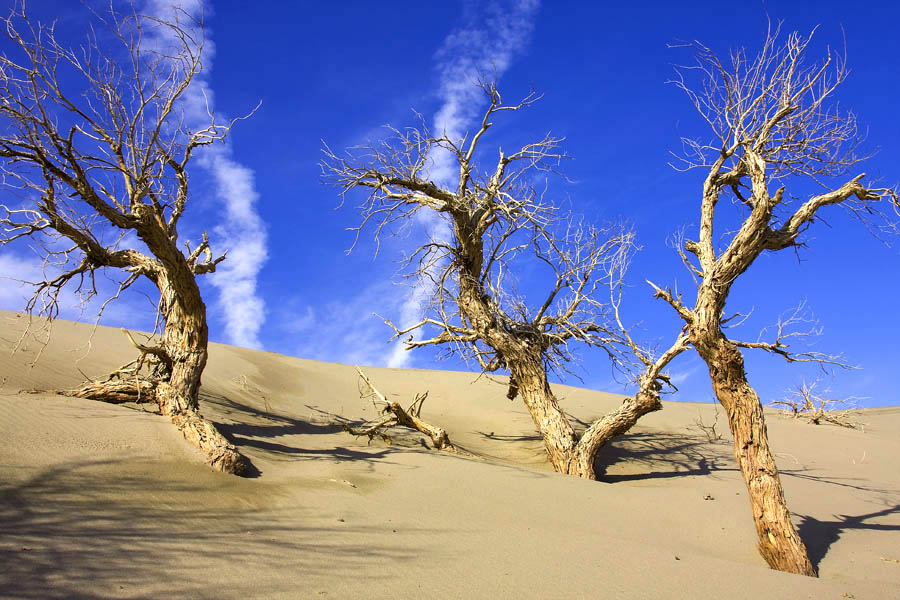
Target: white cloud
x=345, y=331
x=240, y=229
x=17, y=269
x=487, y=44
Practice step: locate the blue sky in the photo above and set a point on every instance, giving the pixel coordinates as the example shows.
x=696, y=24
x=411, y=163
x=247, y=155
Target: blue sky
x=339, y=71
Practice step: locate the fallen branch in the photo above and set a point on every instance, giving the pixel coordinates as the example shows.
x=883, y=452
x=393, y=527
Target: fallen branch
x=394, y=415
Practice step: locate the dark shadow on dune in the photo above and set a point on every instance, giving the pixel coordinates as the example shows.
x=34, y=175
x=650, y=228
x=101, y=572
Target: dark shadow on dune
x=257, y=429
x=662, y=456
x=269, y=424
x=847, y=482
x=820, y=535
x=110, y=529
x=277, y=427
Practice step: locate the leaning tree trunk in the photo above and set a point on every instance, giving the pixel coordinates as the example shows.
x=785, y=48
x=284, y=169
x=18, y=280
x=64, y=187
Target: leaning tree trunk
x=610, y=426
x=779, y=543
x=185, y=340
x=175, y=384
x=567, y=452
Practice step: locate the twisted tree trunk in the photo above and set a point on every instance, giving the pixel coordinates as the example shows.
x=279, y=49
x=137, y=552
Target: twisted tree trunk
x=181, y=358
x=778, y=541
x=568, y=452
x=185, y=340
x=559, y=437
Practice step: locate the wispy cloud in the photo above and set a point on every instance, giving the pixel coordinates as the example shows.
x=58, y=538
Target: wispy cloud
x=240, y=229
x=345, y=331
x=485, y=44
x=493, y=35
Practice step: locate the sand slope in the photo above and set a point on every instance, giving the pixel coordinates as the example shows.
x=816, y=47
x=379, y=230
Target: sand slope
x=100, y=501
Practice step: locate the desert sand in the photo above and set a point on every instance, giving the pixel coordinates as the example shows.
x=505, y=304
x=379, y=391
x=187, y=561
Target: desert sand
x=103, y=501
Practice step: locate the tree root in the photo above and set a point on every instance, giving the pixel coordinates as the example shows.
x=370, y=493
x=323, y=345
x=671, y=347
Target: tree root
x=219, y=453
x=395, y=415
x=114, y=391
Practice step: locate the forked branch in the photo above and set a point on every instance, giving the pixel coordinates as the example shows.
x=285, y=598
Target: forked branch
x=394, y=415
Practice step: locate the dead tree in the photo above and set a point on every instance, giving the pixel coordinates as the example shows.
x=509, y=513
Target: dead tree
x=773, y=122
x=392, y=414
x=495, y=223
x=95, y=143
x=816, y=407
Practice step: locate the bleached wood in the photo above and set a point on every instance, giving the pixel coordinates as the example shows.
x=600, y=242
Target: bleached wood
x=772, y=121
x=494, y=216
x=96, y=142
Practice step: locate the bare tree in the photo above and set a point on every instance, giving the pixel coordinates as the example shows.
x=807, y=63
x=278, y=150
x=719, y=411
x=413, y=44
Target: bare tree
x=496, y=222
x=805, y=400
x=95, y=142
x=773, y=121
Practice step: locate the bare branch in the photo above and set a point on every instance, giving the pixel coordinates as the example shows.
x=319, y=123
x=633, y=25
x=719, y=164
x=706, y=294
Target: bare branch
x=792, y=325
x=807, y=402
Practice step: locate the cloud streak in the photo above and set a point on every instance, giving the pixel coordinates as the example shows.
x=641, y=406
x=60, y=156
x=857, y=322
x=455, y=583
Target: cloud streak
x=487, y=43
x=240, y=229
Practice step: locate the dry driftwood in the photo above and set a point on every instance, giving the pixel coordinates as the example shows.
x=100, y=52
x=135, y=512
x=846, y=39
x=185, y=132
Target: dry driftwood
x=805, y=401
x=394, y=415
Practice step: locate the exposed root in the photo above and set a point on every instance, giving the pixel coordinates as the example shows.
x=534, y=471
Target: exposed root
x=128, y=384
x=114, y=391
x=394, y=415
x=220, y=454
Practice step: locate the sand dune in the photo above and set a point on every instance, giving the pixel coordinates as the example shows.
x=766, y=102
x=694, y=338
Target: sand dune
x=102, y=501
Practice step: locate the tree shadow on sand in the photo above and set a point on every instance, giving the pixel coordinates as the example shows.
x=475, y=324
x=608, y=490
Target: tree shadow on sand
x=273, y=434
x=820, y=535
x=118, y=528
x=658, y=455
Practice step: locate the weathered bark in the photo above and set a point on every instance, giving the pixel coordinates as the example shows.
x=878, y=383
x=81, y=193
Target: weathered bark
x=185, y=339
x=176, y=392
x=497, y=216
x=610, y=426
x=778, y=541
x=394, y=414
x=182, y=356
x=559, y=437
x=120, y=164
x=115, y=391
x=568, y=452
